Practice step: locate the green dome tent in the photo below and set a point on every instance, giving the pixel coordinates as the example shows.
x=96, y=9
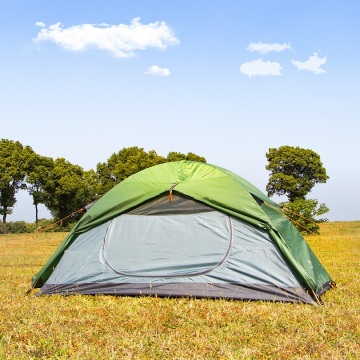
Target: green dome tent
x=185, y=229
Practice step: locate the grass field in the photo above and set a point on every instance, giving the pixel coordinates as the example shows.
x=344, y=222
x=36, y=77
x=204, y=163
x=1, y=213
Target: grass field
x=106, y=327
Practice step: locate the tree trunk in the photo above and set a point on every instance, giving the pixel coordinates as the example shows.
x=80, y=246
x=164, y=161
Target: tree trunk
x=4, y=231
x=36, y=216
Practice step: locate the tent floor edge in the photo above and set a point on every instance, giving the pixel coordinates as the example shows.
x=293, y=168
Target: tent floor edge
x=192, y=290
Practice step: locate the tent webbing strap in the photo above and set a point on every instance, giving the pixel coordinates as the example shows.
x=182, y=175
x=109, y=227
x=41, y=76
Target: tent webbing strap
x=59, y=221
x=292, y=220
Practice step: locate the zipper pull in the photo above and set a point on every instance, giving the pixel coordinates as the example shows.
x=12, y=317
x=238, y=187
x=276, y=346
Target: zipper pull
x=170, y=191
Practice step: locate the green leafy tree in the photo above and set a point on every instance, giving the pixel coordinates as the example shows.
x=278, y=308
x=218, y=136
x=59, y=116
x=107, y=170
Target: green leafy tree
x=14, y=164
x=294, y=171
x=68, y=190
x=176, y=156
x=39, y=175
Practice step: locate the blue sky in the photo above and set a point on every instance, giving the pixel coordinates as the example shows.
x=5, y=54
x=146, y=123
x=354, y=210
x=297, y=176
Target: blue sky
x=223, y=79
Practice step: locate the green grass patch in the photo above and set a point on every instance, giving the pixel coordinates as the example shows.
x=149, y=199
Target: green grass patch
x=108, y=327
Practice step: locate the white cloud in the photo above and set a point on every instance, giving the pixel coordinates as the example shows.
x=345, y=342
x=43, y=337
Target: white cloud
x=261, y=68
x=40, y=24
x=157, y=71
x=313, y=64
x=121, y=40
x=266, y=48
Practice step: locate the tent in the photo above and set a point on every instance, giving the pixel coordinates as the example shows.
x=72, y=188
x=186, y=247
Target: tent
x=185, y=228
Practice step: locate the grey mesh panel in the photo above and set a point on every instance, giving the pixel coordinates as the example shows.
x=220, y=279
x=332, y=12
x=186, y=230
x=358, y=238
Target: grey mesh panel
x=165, y=246
x=161, y=205
x=253, y=259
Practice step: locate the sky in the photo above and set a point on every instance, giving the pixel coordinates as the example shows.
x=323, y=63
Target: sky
x=227, y=80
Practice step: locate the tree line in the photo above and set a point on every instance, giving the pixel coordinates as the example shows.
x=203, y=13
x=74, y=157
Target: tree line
x=65, y=188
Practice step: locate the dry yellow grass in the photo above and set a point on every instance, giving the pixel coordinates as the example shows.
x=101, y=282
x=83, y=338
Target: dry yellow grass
x=106, y=327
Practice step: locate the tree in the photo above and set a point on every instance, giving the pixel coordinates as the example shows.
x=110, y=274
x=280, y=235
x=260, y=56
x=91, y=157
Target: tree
x=14, y=164
x=68, y=189
x=294, y=172
x=176, y=156
x=39, y=175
